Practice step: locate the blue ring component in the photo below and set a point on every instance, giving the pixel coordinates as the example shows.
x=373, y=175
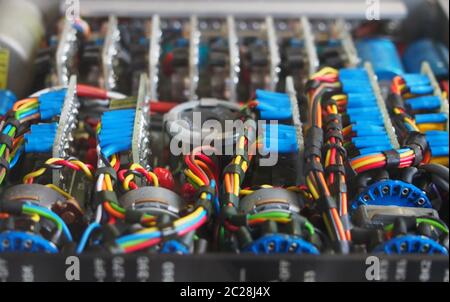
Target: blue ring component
x=383, y=56
x=25, y=242
x=435, y=53
x=392, y=193
x=411, y=244
x=41, y=138
x=363, y=111
x=273, y=105
x=116, y=131
x=281, y=244
x=7, y=100
x=174, y=247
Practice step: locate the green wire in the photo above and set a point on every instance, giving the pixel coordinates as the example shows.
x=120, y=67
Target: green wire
x=434, y=223
x=11, y=133
x=19, y=112
x=275, y=215
x=117, y=207
x=431, y=222
x=43, y=214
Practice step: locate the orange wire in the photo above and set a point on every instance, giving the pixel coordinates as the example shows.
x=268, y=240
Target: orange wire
x=113, y=212
x=21, y=102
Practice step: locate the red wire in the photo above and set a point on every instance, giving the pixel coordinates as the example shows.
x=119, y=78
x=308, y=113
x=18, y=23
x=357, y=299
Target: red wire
x=193, y=227
x=142, y=245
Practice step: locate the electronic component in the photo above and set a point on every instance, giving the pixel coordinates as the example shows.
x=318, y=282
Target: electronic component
x=382, y=54
x=18, y=44
x=7, y=100
x=425, y=50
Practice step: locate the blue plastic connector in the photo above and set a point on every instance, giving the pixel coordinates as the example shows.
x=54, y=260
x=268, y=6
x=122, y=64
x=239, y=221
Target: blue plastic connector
x=51, y=103
x=41, y=138
x=116, y=131
x=273, y=105
x=7, y=100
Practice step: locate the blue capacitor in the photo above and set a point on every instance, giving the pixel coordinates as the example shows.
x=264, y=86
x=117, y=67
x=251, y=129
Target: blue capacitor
x=435, y=53
x=383, y=56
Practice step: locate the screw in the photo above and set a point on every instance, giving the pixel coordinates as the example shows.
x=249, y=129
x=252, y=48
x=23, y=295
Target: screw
x=28, y=244
x=293, y=248
x=420, y=201
x=5, y=243
x=403, y=247
x=425, y=248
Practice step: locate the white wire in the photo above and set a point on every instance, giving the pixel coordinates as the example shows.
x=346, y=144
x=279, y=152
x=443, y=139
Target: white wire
x=116, y=95
x=98, y=216
x=40, y=92
x=100, y=182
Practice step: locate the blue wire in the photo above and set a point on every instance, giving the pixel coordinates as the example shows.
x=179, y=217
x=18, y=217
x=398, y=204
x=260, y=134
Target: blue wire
x=87, y=233
x=157, y=234
x=16, y=157
x=55, y=217
x=29, y=113
x=7, y=129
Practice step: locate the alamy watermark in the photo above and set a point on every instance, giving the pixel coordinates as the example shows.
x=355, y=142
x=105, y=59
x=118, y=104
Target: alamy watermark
x=72, y=10
x=373, y=10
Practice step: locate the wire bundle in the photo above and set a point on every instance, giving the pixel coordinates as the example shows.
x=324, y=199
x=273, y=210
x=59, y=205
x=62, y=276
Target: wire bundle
x=420, y=110
x=322, y=86
x=202, y=172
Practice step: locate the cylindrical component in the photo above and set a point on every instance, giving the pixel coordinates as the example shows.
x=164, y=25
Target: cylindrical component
x=266, y=200
x=21, y=31
x=153, y=201
x=35, y=193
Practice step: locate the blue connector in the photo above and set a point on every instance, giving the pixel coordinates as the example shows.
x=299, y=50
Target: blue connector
x=51, y=103
x=383, y=56
x=280, y=139
x=433, y=118
x=429, y=102
x=363, y=112
x=7, y=100
x=116, y=131
x=273, y=105
x=41, y=138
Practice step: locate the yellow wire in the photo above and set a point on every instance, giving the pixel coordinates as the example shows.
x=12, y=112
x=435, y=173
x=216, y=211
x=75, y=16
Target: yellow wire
x=60, y=191
x=108, y=183
x=236, y=184
x=367, y=162
x=34, y=174
x=312, y=188
x=182, y=220
x=194, y=177
x=83, y=167
x=126, y=182
x=324, y=71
